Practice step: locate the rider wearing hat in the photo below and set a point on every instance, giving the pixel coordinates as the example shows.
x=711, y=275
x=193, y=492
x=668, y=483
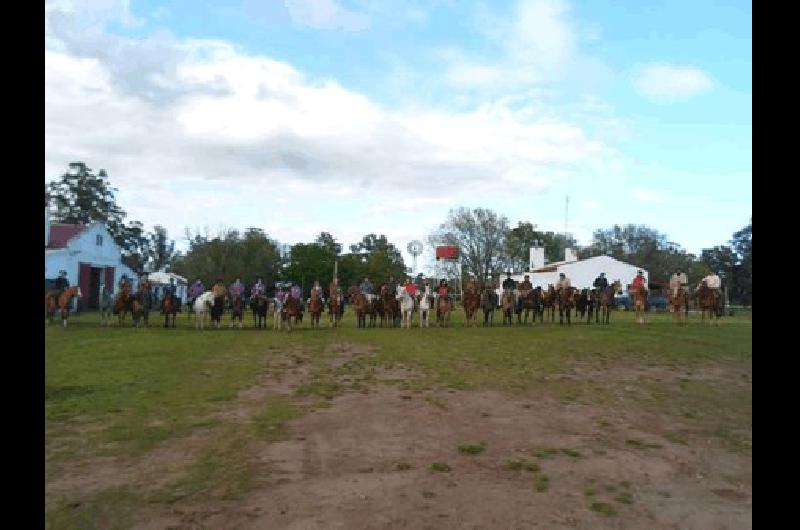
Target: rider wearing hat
x=442, y=291
x=524, y=288
x=638, y=282
x=563, y=282
x=601, y=282
x=678, y=281
x=258, y=288
x=218, y=289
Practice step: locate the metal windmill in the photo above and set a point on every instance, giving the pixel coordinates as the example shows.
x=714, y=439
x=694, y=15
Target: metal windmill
x=415, y=249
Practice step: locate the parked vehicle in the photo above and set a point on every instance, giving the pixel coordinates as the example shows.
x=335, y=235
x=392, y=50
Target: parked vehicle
x=656, y=302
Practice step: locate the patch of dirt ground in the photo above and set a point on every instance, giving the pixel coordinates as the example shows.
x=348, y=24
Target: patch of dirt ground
x=365, y=462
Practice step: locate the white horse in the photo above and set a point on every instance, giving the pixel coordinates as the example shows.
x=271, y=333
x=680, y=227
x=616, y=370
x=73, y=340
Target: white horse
x=277, y=308
x=406, y=306
x=425, y=306
x=202, y=307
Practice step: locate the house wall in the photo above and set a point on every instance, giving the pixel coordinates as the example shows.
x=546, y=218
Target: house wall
x=583, y=273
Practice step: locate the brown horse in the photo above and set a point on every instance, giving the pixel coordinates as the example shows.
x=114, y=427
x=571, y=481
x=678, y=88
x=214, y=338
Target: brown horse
x=315, y=307
x=566, y=303
x=124, y=303
x=390, y=305
x=708, y=300
x=549, y=299
x=237, y=311
x=169, y=308
x=489, y=305
x=605, y=302
x=640, y=304
x=259, y=305
x=530, y=303
x=63, y=303
x=291, y=310
x=142, y=304
x=444, y=305
x=679, y=305
x=360, y=305
x=472, y=301
x=507, y=306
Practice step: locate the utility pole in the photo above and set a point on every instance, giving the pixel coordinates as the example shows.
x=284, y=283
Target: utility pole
x=566, y=217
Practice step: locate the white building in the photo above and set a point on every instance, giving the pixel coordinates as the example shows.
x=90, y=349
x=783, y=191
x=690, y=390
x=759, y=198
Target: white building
x=160, y=279
x=581, y=273
x=88, y=254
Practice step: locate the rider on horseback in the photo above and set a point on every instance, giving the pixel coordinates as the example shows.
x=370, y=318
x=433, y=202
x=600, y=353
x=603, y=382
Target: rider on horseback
x=638, y=282
x=60, y=285
x=442, y=291
x=410, y=288
x=563, y=282
x=367, y=289
x=170, y=291
x=124, y=283
x=524, y=288
x=319, y=291
x=600, y=283
x=677, y=282
x=219, y=289
x=258, y=289
x=237, y=289
x=714, y=283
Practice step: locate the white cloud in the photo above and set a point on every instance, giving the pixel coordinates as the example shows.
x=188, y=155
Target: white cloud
x=326, y=14
x=195, y=133
x=667, y=82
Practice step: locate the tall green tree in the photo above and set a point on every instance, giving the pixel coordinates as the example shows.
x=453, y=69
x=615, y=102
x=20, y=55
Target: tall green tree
x=161, y=251
x=479, y=235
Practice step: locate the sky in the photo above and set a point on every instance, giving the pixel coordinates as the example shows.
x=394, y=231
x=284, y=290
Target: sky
x=379, y=116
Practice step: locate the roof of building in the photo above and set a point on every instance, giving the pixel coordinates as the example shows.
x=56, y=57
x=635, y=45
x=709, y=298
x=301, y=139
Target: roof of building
x=553, y=267
x=62, y=233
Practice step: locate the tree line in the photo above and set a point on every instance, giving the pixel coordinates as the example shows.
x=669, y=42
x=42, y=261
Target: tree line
x=488, y=245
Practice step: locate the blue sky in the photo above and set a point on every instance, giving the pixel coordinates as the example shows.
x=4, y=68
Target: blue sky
x=389, y=112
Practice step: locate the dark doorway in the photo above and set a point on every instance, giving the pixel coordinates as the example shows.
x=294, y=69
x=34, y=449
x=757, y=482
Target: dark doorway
x=92, y=302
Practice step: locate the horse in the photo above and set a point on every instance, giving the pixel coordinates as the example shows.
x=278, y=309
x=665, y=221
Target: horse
x=277, y=312
x=142, y=303
x=123, y=303
x=507, y=304
x=605, y=302
x=315, y=308
x=472, y=300
x=708, y=301
x=237, y=311
x=549, y=302
x=566, y=302
x=169, y=308
x=406, y=306
x=679, y=305
x=360, y=305
x=489, y=305
x=444, y=305
x=292, y=310
x=530, y=302
x=391, y=309
x=63, y=303
x=259, y=305
x=582, y=305
x=640, y=304
x=203, y=305
x=425, y=304
x=106, y=306
x=217, y=310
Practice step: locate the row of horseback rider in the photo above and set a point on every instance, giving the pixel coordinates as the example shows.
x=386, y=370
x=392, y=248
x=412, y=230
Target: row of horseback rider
x=678, y=284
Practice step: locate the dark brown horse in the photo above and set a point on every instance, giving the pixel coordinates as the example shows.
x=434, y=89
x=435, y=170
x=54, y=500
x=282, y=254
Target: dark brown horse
x=489, y=305
x=708, y=300
x=549, y=300
x=530, y=303
x=315, y=307
x=169, y=308
x=259, y=305
x=605, y=302
x=472, y=301
x=390, y=305
x=584, y=304
x=566, y=303
x=237, y=311
x=63, y=303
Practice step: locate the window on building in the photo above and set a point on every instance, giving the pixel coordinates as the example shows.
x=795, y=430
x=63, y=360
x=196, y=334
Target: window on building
x=99, y=240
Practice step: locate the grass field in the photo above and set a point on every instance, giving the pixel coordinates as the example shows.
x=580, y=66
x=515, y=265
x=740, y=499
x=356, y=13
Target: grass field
x=185, y=428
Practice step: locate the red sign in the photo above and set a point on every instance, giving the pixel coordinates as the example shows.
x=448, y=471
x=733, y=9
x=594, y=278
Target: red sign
x=448, y=252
